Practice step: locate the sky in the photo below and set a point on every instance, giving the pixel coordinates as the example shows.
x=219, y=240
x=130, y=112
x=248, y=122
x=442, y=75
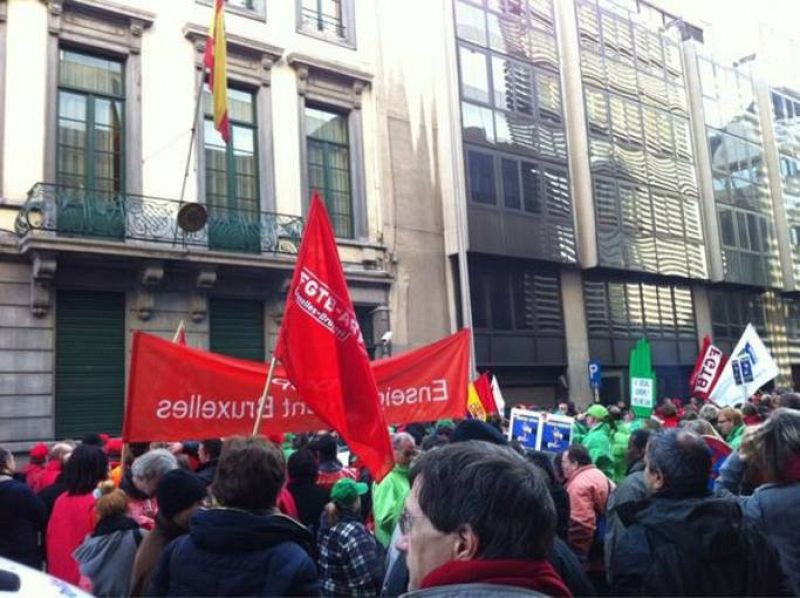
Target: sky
x=736, y=28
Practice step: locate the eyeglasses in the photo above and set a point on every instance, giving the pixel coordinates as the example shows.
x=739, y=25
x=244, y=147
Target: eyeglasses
x=406, y=521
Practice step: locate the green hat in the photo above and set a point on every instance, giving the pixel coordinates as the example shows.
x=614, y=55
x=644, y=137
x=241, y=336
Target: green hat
x=597, y=412
x=346, y=490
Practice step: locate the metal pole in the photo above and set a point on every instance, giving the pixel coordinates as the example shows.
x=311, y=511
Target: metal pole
x=194, y=130
x=263, y=398
x=181, y=327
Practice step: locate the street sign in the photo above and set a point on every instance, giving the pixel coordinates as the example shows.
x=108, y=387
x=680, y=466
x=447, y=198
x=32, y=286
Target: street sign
x=595, y=374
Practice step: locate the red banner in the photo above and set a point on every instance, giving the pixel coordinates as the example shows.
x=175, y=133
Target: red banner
x=707, y=370
x=177, y=392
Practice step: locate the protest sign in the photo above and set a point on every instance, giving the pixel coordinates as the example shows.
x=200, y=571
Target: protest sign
x=526, y=427
x=707, y=370
x=540, y=431
x=642, y=379
x=556, y=433
x=177, y=392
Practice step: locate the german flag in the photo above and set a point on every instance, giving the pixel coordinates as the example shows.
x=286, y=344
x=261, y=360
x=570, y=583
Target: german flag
x=215, y=60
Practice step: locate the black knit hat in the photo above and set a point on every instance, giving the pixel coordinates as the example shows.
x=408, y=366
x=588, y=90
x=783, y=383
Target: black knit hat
x=178, y=490
x=475, y=429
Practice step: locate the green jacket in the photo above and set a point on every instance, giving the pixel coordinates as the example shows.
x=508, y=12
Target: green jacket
x=598, y=442
x=734, y=439
x=388, y=502
x=619, y=449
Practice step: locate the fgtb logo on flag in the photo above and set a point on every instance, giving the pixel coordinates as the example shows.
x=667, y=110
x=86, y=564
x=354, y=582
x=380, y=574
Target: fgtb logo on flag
x=315, y=298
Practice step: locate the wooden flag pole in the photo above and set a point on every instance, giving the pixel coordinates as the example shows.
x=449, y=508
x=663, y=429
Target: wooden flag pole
x=177, y=334
x=263, y=398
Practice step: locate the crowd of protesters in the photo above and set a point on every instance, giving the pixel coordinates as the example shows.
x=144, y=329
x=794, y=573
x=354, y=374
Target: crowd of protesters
x=633, y=507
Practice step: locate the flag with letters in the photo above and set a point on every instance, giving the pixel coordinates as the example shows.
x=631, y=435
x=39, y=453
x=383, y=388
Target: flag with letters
x=215, y=60
x=707, y=370
x=322, y=350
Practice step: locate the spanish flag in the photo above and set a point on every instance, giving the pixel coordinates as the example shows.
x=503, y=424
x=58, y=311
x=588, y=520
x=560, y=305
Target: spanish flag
x=215, y=61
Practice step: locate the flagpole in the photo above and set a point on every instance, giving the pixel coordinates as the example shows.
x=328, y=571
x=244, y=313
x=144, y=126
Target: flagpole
x=194, y=130
x=263, y=398
x=177, y=335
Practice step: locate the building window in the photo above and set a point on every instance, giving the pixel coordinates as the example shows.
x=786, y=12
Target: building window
x=732, y=311
x=331, y=20
x=247, y=8
x=232, y=169
x=328, y=157
x=516, y=298
x=619, y=309
x=91, y=111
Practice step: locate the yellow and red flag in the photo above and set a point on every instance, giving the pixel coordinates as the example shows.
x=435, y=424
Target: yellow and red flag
x=216, y=61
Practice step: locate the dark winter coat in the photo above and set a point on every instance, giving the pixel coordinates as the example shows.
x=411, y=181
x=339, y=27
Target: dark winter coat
x=692, y=547
x=775, y=510
x=206, y=472
x=230, y=552
x=22, y=518
x=310, y=500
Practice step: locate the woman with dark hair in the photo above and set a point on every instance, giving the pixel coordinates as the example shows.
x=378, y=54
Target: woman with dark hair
x=73, y=513
x=775, y=450
x=21, y=517
x=309, y=498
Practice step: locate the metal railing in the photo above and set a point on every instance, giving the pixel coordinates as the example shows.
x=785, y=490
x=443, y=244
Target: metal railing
x=323, y=23
x=140, y=219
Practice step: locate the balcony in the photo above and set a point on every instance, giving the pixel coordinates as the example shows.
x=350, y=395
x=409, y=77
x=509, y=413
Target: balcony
x=152, y=222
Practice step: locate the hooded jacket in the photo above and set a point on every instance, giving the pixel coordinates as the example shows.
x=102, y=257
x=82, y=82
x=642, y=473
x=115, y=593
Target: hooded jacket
x=229, y=552
x=388, y=501
x=106, y=557
x=598, y=442
x=692, y=547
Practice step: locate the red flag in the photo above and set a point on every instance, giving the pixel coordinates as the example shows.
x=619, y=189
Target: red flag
x=707, y=370
x=483, y=386
x=321, y=347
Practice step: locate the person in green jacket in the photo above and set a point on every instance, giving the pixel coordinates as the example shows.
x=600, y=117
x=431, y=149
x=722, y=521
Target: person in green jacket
x=389, y=496
x=620, y=434
x=597, y=439
x=731, y=425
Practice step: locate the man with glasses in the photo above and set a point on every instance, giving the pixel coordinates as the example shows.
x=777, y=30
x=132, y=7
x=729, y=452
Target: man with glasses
x=478, y=515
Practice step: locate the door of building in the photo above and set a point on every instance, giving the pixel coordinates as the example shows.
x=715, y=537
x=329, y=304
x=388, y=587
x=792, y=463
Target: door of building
x=237, y=328
x=90, y=363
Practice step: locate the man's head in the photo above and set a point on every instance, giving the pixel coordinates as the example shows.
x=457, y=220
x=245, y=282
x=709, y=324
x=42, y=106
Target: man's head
x=405, y=448
x=776, y=446
x=326, y=448
x=148, y=469
x=574, y=457
x=249, y=475
x=596, y=414
x=678, y=464
x=474, y=500
x=790, y=400
x=209, y=450
x=728, y=420
x=563, y=408
x=637, y=443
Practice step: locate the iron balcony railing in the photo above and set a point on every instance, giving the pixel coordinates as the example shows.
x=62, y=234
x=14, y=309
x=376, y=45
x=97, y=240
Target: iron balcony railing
x=87, y=213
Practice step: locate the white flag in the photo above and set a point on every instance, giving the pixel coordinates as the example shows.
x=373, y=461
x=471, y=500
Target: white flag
x=750, y=367
x=498, y=396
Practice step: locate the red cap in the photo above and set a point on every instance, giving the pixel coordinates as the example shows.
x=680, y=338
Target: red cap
x=113, y=446
x=276, y=438
x=104, y=437
x=39, y=451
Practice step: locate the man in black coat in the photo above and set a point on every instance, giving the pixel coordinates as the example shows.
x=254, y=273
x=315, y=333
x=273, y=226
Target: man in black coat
x=683, y=542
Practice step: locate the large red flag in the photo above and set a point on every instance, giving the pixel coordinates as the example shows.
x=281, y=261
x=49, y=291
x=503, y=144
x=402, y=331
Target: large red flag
x=322, y=350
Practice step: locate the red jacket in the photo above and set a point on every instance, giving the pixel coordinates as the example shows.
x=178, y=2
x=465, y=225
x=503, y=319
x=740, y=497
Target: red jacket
x=72, y=519
x=32, y=473
x=588, y=490
x=49, y=476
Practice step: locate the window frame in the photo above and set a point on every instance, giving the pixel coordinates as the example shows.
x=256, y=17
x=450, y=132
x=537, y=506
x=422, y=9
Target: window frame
x=348, y=25
x=259, y=13
x=326, y=146
x=89, y=150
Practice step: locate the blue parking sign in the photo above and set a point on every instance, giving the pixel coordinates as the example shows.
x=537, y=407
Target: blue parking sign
x=595, y=374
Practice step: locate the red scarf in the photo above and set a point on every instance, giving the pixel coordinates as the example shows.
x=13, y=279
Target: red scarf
x=532, y=575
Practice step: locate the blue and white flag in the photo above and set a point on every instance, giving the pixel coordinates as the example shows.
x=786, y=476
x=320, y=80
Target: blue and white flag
x=750, y=367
